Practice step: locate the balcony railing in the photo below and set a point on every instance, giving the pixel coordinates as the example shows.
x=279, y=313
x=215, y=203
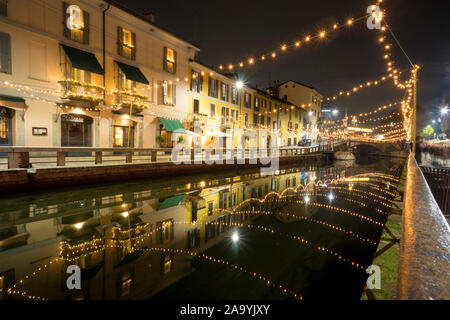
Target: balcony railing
x=81, y=91
x=127, y=98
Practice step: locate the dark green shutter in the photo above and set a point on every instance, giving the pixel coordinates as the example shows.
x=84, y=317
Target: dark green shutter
x=86, y=27
x=66, y=31
x=4, y=8
x=175, y=64
x=119, y=41
x=5, y=52
x=165, y=59
x=133, y=50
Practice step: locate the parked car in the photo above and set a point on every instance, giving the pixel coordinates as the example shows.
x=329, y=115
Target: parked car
x=304, y=143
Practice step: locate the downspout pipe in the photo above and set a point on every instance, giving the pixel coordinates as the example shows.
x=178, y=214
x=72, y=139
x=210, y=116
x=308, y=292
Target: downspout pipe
x=104, y=49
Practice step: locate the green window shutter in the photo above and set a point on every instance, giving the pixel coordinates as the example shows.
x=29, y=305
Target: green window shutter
x=164, y=59
x=133, y=41
x=119, y=41
x=66, y=31
x=5, y=52
x=86, y=27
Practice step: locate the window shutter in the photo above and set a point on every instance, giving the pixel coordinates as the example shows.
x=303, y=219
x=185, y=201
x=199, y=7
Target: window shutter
x=209, y=86
x=172, y=229
x=66, y=31
x=165, y=92
x=4, y=8
x=86, y=27
x=175, y=64
x=119, y=41
x=200, y=83
x=174, y=91
x=164, y=59
x=5, y=52
x=133, y=41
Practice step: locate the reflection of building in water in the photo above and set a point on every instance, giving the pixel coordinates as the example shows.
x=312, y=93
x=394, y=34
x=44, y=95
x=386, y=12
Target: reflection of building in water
x=110, y=237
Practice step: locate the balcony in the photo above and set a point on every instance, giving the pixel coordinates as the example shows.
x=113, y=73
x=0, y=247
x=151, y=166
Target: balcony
x=81, y=94
x=126, y=99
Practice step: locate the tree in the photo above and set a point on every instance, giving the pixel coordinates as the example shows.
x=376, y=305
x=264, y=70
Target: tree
x=428, y=131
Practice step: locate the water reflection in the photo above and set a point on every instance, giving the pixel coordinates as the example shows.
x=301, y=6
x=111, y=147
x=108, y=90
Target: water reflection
x=291, y=235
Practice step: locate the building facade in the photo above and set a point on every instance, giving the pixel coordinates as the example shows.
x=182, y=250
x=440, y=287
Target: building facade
x=89, y=74
x=306, y=97
x=230, y=113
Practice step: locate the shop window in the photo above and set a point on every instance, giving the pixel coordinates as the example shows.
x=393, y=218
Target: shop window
x=76, y=130
x=170, y=60
x=123, y=136
x=5, y=126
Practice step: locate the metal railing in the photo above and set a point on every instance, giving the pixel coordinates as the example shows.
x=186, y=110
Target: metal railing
x=425, y=243
x=438, y=180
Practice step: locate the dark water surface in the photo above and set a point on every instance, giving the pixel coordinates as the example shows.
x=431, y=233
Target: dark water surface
x=300, y=233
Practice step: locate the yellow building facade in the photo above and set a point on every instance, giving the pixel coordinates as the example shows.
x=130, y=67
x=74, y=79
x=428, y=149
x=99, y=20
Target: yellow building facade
x=221, y=106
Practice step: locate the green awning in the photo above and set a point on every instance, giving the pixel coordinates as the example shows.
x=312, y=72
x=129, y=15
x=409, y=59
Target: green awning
x=171, y=202
x=172, y=125
x=10, y=98
x=83, y=60
x=132, y=73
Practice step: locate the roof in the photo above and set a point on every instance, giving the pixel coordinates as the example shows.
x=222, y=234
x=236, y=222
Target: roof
x=229, y=76
x=296, y=83
x=143, y=18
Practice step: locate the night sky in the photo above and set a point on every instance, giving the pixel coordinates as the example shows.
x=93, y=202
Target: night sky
x=232, y=31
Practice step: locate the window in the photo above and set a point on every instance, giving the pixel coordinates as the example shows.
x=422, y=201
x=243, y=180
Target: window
x=290, y=114
x=256, y=104
x=246, y=119
x=269, y=121
x=213, y=110
x=295, y=143
x=196, y=106
x=4, y=8
x=289, y=143
x=224, y=91
x=234, y=95
x=213, y=87
x=196, y=82
x=234, y=114
x=170, y=60
x=126, y=43
x=247, y=98
x=262, y=120
x=167, y=230
x=210, y=208
x=76, y=23
x=169, y=93
x=166, y=262
x=123, y=85
x=5, y=52
x=255, y=119
x=274, y=125
x=264, y=103
x=296, y=126
x=270, y=105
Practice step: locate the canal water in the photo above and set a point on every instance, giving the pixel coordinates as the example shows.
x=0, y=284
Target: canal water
x=300, y=233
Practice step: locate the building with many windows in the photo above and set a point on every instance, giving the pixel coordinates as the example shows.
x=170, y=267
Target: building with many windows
x=226, y=109
x=88, y=73
x=305, y=96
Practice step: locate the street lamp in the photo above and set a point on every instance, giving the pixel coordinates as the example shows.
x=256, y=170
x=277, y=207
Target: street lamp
x=239, y=84
x=335, y=112
x=444, y=110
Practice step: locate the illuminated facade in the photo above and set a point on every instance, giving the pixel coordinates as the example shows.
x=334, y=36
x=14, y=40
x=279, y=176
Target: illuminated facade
x=223, y=107
x=73, y=72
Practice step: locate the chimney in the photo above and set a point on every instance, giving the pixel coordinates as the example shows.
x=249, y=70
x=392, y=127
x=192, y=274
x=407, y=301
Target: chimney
x=149, y=17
